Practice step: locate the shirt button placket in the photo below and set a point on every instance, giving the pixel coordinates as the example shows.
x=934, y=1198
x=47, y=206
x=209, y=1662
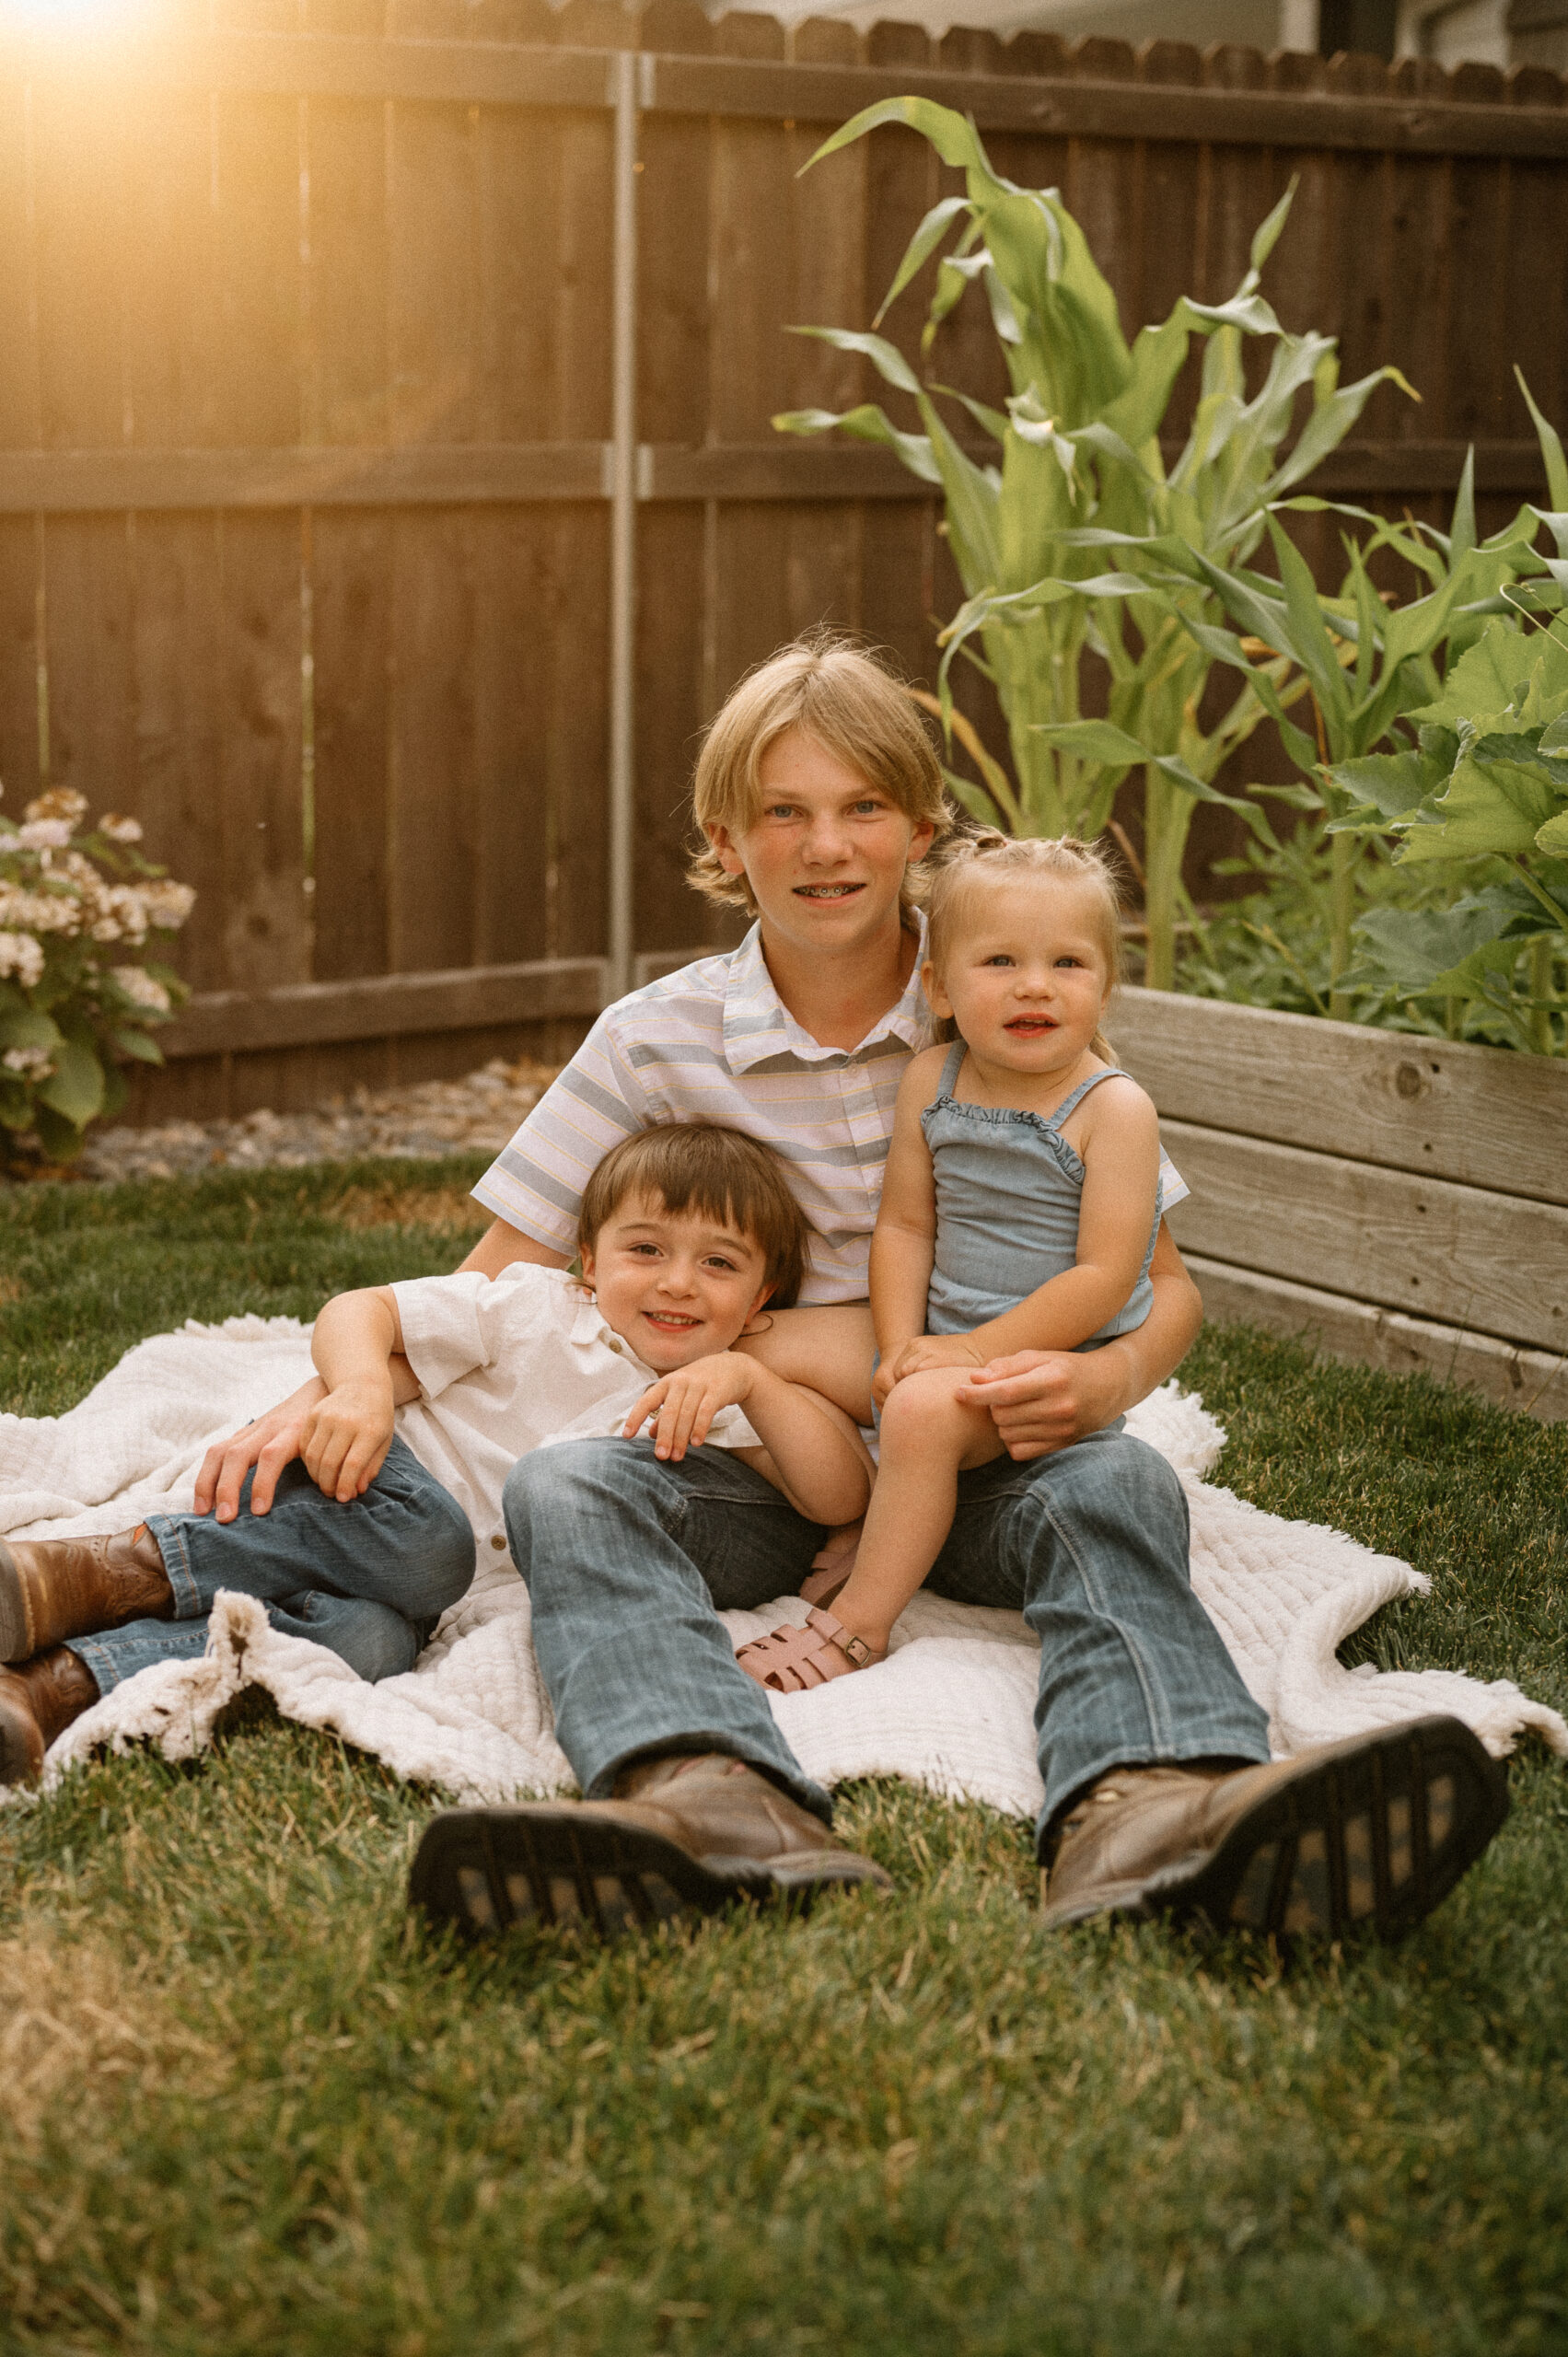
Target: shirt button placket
x=866, y=1128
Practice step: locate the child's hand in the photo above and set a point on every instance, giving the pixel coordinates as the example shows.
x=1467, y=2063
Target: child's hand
x=346, y=1436
x=685, y=1403
x=919, y=1357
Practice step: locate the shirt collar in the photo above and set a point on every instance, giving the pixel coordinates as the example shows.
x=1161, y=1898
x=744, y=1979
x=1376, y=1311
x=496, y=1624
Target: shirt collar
x=589, y=1328
x=758, y=1024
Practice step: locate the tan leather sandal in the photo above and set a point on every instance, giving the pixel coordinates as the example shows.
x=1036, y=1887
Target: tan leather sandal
x=791, y=1661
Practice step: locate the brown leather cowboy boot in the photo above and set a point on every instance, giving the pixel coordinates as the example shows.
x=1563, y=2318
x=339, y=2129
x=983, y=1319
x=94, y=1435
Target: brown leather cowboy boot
x=1363, y=1836
x=39, y=1701
x=684, y=1835
x=52, y=1589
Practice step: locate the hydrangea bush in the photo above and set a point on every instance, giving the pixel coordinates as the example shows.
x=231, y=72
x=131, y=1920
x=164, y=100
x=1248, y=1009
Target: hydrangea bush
x=78, y=908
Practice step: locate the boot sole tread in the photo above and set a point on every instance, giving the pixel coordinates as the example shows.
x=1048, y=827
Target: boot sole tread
x=487, y=1870
x=1365, y=1844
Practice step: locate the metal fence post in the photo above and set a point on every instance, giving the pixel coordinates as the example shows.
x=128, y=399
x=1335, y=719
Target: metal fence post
x=622, y=529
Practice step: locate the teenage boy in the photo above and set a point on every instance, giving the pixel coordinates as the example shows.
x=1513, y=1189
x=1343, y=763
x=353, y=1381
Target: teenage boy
x=816, y=791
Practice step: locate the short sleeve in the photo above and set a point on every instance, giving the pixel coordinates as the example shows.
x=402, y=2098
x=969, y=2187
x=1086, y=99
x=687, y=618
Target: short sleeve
x=444, y=1336
x=536, y=1182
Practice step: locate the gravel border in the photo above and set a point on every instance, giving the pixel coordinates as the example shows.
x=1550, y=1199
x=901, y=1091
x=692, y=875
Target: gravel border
x=476, y=1115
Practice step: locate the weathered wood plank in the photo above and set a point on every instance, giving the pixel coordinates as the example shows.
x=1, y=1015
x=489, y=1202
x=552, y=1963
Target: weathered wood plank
x=307, y=1013
x=433, y=236
x=499, y=74
x=1488, y=1263
x=255, y=388
x=440, y=474
x=347, y=551
x=1536, y=1382
x=1477, y=1116
x=19, y=664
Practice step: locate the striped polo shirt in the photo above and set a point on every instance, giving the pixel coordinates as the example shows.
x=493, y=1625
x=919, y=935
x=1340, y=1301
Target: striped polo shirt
x=714, y=1042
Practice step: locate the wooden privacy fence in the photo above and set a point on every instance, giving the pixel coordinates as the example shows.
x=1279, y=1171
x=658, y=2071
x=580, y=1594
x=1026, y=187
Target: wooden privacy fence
x=386, y=488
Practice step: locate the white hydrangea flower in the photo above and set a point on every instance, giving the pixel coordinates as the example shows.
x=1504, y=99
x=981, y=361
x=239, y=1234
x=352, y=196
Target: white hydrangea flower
x=33, y=1063
x=22, y=956
x=44, y=834
x=142, y=990
x=167, y=904
x=119, y=829
x=60, y=802
x=38, y=911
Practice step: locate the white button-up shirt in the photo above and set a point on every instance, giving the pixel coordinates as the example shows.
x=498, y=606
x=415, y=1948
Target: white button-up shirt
x=511, y=1364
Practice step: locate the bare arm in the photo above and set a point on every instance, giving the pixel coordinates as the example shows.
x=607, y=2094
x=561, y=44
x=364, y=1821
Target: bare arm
x=357, y=1347
x=501, y=1245
x=1045, y=1400
x=275, y=1439
x=811, y=1451
x=903, y=1244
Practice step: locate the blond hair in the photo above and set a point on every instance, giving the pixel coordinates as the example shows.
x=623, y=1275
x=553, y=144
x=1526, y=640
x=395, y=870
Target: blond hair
x=720, y=1175
x=844, y=700
x=984, y=857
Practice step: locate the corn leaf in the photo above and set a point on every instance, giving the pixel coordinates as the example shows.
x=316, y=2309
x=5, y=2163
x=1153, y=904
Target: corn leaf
x=1550, y=448
x=920, y=246
x=867, y=423
x=953, y=137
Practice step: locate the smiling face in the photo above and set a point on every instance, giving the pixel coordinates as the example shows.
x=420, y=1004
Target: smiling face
x=675, y=1285
x=1023, y=974
x=826, y=854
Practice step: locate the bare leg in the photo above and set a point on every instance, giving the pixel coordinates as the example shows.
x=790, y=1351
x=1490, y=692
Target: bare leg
x=828, y=1349
x=930, y=1435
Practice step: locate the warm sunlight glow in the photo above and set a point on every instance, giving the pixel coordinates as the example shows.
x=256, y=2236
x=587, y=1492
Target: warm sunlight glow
x=67, y=16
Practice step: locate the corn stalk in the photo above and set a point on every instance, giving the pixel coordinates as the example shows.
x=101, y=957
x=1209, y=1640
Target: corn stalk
x=1079, y=459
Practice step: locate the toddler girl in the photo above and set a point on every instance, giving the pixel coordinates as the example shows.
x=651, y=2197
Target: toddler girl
x=1019, y=1211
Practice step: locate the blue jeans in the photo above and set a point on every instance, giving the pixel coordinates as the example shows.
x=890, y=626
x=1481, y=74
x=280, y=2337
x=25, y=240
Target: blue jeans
x=368, y=1580
x=627, y=1559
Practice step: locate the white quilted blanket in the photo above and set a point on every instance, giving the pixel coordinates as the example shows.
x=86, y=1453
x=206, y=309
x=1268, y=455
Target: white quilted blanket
x=951, y=1707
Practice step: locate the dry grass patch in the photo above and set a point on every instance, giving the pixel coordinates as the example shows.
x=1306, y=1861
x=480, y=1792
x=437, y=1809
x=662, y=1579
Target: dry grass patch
x=392, y=1205
x=78, y=2023
x=11, y=1289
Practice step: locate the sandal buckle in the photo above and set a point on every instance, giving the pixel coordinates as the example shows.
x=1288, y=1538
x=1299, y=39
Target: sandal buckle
x=857, y=1649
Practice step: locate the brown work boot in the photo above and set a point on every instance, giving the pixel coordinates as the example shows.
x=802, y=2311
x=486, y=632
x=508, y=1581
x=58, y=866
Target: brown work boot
x=52, y=1589
x=39, y=1701
x=1348, y=1839
x=686, y=1835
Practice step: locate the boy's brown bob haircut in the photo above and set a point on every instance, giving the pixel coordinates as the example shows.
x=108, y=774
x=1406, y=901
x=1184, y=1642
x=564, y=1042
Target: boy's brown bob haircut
x=843, y=698
x=720, y=1175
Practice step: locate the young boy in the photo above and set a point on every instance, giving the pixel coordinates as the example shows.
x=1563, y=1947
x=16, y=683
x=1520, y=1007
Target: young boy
x=433, y=1390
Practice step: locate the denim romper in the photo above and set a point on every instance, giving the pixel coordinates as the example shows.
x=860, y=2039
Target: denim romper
x=1008, y=1187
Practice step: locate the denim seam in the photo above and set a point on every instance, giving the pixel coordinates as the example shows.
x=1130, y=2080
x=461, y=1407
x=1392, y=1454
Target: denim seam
x=188, y=1605
x=99, y=1663
x=1158, y=1728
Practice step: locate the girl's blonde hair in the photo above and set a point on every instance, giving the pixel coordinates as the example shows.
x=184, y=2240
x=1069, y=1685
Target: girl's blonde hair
x=984, y=856
x=844, y=700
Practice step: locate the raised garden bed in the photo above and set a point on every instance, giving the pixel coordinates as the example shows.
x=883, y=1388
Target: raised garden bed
x=1402, y=1202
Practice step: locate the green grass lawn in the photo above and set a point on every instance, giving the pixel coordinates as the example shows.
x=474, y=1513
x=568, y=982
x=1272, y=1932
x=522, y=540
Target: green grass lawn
x=245, y=2105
